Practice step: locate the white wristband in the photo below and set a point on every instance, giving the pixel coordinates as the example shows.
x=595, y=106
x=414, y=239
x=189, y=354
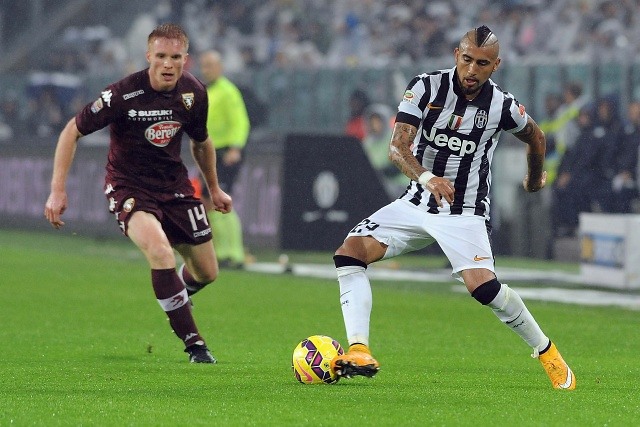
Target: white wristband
x=425, y=177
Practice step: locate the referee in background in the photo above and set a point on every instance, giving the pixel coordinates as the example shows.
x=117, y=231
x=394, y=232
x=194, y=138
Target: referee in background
x=228, y=127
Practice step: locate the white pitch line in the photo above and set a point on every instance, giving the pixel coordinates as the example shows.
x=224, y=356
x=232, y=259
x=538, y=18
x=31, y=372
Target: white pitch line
x=569, y=296
x=327, y=271
x=575, y=296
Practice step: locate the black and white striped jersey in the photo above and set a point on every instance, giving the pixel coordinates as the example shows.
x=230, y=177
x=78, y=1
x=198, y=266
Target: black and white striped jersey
x=456, y=137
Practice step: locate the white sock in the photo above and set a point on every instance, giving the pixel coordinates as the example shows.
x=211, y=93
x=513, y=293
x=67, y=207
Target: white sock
x=510, y=309
x=356, y=301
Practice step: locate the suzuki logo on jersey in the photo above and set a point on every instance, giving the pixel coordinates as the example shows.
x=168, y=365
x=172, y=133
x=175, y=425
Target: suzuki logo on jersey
x=455, y=144
x=160, y=134
x=149, y=115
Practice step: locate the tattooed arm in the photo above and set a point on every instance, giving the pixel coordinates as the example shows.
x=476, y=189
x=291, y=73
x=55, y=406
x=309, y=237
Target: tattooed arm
x=536, y=142
x=400, y=151
x=401, y=156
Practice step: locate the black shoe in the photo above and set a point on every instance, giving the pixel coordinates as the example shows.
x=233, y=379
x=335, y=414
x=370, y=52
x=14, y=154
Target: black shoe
x=199, y=353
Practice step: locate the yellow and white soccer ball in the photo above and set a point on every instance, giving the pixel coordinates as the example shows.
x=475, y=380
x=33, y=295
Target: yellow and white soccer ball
x=312, y=357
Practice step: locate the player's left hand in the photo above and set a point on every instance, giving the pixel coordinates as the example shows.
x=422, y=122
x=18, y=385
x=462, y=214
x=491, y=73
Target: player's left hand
x=441, y=188
x=221, y=201
x=532, y=187
x=55, y=207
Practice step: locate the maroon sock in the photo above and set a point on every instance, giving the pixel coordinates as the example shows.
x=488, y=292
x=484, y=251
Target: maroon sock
x=192, y=285
x=173, y=299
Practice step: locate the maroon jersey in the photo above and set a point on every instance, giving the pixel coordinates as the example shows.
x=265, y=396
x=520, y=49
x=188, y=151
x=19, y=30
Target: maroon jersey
x=146, y=129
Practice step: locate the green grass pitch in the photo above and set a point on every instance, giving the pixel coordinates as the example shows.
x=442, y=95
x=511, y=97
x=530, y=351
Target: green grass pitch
x=85, y=343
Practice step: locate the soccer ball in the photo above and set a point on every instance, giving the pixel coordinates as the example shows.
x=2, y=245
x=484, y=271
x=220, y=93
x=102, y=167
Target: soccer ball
x=312, y=360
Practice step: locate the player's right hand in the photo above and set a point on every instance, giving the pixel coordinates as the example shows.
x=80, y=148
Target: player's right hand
x=531, y=186
x=221, y=201
x=55, y=207
x=441, y=188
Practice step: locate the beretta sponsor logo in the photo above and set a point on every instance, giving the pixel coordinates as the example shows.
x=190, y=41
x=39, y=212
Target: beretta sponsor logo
x=161, y=133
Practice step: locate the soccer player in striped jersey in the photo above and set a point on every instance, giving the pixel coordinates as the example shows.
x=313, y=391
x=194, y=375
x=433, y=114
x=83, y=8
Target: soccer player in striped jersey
x=447, y=127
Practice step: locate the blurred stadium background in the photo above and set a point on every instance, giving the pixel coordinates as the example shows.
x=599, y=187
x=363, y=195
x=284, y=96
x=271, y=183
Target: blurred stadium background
x=297, y=62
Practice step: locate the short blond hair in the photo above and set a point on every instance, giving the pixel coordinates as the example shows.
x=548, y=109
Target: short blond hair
x=169, y=31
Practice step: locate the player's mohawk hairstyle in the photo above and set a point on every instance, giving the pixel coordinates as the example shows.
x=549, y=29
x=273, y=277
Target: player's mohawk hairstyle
x=483, y=34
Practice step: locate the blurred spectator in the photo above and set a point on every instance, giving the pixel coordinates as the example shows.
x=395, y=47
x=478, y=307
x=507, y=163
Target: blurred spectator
x=624, y=182
x=536, y=207
x=550, y=125
x=588, y=170
x=567, y=130
x=12, y=122
x=356, y=125
x=50, y=98
x=578, y=175
x=6, y=131
x=291, y=34
x=45, y=113
x=379, y=119
x=348, y=33
x=608, y=133
x=609, y=35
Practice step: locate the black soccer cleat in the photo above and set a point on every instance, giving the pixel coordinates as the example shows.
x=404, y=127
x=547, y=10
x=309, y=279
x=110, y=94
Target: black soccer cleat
x=199, y=353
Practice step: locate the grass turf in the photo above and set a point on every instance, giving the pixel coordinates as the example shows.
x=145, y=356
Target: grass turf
x=84, y=343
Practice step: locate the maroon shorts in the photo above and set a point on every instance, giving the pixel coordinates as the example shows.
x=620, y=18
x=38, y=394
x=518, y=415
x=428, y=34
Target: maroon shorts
x=183, y=218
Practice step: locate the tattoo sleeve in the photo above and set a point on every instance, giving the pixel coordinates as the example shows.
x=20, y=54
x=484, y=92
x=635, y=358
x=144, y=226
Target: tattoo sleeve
x=536, y=142
x=400, y=150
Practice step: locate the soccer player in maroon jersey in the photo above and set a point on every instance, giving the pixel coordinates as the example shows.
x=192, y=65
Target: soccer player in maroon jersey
x=146, y=184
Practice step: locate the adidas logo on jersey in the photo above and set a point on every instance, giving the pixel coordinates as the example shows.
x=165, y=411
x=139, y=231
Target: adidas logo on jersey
x=455, y=144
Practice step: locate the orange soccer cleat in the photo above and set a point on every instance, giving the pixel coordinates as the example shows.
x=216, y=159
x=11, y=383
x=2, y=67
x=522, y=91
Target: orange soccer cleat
x=356, y=361
x=559, y=373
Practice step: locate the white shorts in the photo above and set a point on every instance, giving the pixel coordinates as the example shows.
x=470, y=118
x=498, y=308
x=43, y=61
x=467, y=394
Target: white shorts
x=405, y=228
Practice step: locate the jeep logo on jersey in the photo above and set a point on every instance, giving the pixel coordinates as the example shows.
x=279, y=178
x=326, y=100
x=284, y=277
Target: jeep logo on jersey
x=455, y=144
x=160, y=134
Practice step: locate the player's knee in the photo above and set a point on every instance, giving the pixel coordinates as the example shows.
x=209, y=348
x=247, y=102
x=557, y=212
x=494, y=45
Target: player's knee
x=353, y=248
x=207, y=277
x=486, y=292
x=342, y=251
x=159, y=254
